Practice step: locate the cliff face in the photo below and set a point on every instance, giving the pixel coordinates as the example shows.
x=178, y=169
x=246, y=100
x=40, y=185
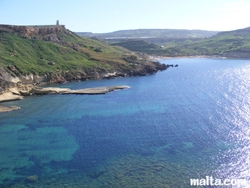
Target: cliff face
x=6, y=80
x=33, y=31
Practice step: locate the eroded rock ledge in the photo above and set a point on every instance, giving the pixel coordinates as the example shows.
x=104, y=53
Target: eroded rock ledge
x=86, y=91
x=8, y=109
x=17, y=93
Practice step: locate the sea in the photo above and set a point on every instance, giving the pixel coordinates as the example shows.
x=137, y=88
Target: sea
x=187, y=122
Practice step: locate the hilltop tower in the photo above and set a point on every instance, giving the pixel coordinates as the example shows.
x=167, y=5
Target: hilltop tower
x=57, y=22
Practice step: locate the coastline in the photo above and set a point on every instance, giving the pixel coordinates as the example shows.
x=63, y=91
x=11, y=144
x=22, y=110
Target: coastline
x=156, y=58
x=20, y=90
x=9, y=96
x=15, y=88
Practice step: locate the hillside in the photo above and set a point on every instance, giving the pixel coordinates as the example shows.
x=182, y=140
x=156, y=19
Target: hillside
x=152, y=41
x=138, y=46
x=152, y=33
x=49, y=54
x=227, y=44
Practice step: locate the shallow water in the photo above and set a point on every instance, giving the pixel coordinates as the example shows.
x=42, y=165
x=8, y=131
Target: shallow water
x=187, y=122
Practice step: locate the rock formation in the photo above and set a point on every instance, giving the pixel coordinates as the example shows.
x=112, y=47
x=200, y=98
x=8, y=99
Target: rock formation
x=34, y=31
x=20, y=90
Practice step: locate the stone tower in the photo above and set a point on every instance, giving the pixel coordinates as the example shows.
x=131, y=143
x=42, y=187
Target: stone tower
x=57, y=22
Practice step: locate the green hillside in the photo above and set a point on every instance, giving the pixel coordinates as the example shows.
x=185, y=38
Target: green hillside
x=71, y=54
x=230, y=44
x=138, y=46
x=51, y=50
x=152, y=33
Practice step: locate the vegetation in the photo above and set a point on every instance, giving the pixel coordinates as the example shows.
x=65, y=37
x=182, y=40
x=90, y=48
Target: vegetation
x=138, y=46
x=232, y=44
x=23, y=55
x=152, y=33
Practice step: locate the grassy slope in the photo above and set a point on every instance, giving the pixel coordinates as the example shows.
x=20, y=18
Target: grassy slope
x=138, y=45
x=215, y=45
x=152, y=33
x=73, y=53
x=237, y=41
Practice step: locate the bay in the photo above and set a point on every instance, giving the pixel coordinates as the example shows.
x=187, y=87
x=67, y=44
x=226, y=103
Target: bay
x=189, y=121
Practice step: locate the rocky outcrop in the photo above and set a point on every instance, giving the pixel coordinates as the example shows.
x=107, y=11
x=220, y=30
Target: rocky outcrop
x=47, y=32
x=64, y=76
x=97, y=90
x=160, y=66
x=48, y=90
x=24, y=83
x=17, y=93
x=8, y=109
x=6, y=80
x=147, y=69
x=88, y=91
x=9, y=96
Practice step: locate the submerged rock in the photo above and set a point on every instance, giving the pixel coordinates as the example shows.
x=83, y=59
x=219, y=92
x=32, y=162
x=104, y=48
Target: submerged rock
x=32, y=178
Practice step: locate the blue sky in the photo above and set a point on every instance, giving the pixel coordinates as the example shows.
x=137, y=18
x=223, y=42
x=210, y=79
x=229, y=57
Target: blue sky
x=111, y=15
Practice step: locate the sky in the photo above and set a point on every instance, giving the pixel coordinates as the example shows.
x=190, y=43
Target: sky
x=100, y=16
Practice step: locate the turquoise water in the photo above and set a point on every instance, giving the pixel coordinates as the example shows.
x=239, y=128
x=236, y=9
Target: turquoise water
x=187, y=122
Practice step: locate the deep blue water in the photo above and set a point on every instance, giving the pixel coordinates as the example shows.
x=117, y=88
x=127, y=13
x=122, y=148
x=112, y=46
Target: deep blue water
x=186, y=122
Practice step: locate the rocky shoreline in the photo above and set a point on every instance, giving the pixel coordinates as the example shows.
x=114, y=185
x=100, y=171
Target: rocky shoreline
x=16, y=94
x=85, y=91
x=8, y=109
x=15, y=88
